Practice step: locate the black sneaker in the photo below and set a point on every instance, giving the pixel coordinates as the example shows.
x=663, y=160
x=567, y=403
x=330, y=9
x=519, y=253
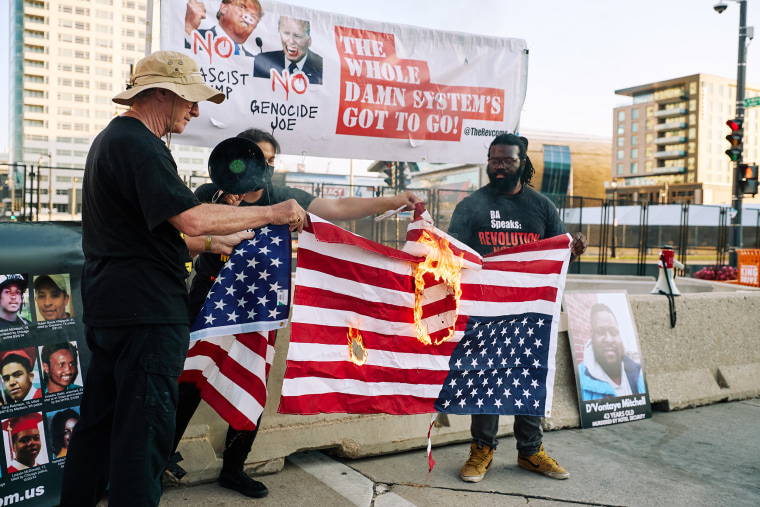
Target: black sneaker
x=241, y=483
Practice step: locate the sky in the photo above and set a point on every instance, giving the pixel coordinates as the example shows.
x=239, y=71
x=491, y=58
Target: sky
x=581, y=51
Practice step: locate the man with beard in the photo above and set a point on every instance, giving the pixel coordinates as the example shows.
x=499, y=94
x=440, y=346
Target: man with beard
x=25, y=441
x=505, y=213
x=59, y=363
x=606, y=371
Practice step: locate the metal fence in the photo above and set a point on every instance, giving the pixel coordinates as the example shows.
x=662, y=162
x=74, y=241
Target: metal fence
x=624, y=237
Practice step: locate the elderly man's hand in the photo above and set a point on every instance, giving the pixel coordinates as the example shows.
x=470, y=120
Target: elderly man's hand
x=224, y=245
x=289, y=212
x=578, y=246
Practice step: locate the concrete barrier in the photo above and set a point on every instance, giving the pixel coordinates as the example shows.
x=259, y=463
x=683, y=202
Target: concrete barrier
x=712, y=355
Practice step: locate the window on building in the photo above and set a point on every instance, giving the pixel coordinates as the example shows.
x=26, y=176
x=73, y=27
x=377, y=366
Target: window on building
x=634, y=114
x=648, y=166
x=634, y=153
x=649, y=138
x=634, y=167
x=650, y=124
x=556, y=170
x=620, y=154
x=635, y=126
x=619, y=169
x=620, y=129
x=634, y=140
x=650, y=111
x=621, y=141
x=621, y=115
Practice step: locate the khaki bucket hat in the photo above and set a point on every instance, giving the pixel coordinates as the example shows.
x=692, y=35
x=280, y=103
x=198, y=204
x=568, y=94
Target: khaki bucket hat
x=173, y=71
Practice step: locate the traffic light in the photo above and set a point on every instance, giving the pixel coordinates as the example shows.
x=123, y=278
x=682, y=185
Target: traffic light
x=400, y=178
x=735, y=139
x=389, y=173
x=748, y=182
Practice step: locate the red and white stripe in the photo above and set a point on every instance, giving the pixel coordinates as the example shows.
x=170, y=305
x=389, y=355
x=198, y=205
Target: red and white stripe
x=231, y=373
x=343, y=280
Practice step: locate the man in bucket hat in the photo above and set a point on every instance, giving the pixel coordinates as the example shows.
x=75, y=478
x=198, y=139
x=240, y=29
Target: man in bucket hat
x=135, y=212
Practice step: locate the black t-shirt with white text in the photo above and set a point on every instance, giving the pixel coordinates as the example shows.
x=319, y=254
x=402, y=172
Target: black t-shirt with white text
x=135, y=260
x=488, y=222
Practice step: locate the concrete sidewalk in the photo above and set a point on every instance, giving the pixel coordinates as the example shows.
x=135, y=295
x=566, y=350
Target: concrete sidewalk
x=706, y=456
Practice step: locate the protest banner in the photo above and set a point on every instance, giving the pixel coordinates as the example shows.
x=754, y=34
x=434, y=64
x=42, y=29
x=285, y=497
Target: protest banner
x=331, y=85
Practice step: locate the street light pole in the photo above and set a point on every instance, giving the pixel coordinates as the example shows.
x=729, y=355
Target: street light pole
x=741, y=68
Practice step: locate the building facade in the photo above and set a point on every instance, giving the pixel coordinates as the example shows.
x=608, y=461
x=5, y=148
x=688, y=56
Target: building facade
x=669, y=144
x=67, y=59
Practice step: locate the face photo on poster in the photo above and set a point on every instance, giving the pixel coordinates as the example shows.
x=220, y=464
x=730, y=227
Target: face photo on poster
x=24, y=442
x=60, y=366
x=61, y=424
x=20, y=374
x=14, y=300
x=607, y=358
x=52, y=297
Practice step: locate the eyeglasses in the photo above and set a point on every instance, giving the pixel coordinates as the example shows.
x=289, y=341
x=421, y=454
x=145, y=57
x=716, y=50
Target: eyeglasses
x=506, y=162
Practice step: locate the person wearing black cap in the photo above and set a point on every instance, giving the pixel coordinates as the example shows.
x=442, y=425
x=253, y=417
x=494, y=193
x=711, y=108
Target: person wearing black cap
x=239, y=443
x=507, y=212
x=12, y=289
x=136, y=210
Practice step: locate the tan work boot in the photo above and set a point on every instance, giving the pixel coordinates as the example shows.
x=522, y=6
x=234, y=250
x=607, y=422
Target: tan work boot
x=477, y=464
x=542, y=463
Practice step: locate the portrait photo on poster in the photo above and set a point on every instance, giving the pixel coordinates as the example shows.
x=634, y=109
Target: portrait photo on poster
x=60, y=367
x=52, y=297
x=20, y=374
x=61, y=424
x=24, y=442
x=14, y=300
x=607, y=358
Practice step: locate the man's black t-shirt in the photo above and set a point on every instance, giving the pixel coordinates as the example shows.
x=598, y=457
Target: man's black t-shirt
x=135, y=260
x=487, y=221
x=207, y=265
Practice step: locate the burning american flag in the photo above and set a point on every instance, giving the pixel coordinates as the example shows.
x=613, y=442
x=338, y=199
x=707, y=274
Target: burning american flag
x=432, y=328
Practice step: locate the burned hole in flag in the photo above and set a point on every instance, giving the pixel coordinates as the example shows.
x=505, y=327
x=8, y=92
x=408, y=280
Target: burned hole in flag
x=437, y=291
x=356, y=349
